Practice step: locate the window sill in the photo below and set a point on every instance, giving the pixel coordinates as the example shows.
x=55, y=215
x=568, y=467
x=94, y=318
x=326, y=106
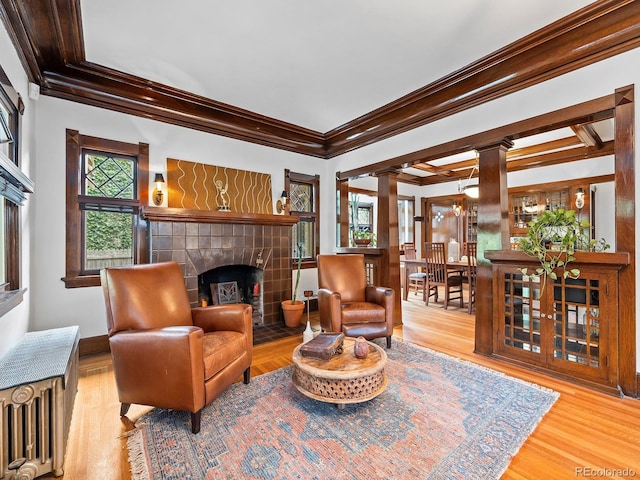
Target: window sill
x=10, y=299
x=83, y=281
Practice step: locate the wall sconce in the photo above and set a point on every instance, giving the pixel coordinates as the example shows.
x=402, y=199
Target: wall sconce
x=457, y=209
x=282, y=203
x=158, y=194
x=579, y=198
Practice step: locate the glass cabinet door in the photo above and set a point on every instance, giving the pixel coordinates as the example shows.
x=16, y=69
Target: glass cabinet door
x=579, y=338
x=565, y=324
x=521, y=332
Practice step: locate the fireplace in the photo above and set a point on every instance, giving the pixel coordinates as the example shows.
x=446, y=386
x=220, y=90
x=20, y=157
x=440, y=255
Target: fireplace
x=233, y=284
x=258, y=246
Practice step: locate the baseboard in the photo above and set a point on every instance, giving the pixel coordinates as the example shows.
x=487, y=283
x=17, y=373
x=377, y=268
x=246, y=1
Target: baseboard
x=94, y=345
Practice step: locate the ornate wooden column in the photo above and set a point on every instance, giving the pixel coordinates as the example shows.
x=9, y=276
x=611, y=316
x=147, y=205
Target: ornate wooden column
x=388, y=237
x=493, y=233
x=626, y=235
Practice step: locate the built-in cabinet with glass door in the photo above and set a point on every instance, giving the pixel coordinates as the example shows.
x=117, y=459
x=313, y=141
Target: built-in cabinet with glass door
x=566, y=325
x=471, y=223
x=525, y=206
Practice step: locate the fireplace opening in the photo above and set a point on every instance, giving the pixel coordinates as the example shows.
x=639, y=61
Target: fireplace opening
x=233, y=284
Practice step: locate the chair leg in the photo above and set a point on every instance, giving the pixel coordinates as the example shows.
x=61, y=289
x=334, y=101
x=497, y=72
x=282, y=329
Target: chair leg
x=124, y=408
x=388, y=342
x=195, y=421
x=247, y=376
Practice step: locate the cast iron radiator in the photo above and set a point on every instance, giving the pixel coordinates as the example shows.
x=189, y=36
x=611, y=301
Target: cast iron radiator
x=38, y=384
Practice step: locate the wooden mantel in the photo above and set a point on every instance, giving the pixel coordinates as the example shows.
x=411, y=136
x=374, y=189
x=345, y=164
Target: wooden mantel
x=162, y=214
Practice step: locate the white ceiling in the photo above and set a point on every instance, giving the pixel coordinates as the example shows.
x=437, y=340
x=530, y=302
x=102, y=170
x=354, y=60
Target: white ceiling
x=317, y=64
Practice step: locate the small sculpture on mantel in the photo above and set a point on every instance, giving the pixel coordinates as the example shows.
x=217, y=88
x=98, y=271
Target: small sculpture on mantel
x=222, y=191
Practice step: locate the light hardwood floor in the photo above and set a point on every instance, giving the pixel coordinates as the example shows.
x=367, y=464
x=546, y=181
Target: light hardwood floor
x=584, y=429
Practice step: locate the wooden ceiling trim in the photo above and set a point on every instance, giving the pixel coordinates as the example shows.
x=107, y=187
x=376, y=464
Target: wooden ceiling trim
x=48, y=37
x=102, y=87
x=597, y=31
x=535, y=161
x=591, y=111
x=588, y=135
x=560, y=144
x=564, y=156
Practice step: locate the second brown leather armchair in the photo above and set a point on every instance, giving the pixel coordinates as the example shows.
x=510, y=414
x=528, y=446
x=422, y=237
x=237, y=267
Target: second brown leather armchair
x=166, y=354
x=347, y=304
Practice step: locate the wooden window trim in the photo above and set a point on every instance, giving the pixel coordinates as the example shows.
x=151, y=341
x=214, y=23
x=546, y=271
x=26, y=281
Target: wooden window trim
x=75, y=144
x=289, y=177
x=11, y=292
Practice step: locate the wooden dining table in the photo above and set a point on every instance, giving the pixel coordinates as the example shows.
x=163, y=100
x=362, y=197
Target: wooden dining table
x=458, y=266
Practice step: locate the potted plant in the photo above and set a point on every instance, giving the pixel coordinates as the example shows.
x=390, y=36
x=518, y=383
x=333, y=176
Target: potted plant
x=293, y=309
x=553, y=238
x=363, y=238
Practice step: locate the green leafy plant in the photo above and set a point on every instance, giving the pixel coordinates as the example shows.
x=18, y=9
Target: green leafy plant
x=553, y=238
x=295, y=289
x=363, y=234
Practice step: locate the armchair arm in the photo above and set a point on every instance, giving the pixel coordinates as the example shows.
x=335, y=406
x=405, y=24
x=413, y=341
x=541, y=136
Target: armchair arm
x=330, y=310
x=162, y=367
x=234, y=317
x=385, y=297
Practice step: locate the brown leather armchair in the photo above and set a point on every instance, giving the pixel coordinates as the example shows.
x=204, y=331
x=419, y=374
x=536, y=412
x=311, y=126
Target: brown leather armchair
x=166, y=354
x=347, y=304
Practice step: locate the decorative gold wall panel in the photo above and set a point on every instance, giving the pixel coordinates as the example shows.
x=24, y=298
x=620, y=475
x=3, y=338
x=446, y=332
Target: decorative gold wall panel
x=208, y=187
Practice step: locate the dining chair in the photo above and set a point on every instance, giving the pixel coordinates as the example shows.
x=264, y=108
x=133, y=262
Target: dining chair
x=472, y=255
x=417, y=279
x=438, y=275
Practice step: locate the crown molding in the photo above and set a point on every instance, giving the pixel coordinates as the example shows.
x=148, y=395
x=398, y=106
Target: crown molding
x=600, y=30
x=49, y=41
x=100, y=86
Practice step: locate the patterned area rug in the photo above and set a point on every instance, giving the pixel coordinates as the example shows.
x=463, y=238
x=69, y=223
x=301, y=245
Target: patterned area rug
x=439, y=418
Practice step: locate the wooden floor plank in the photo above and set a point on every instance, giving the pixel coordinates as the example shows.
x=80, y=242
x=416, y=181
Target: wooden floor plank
x=584, y=428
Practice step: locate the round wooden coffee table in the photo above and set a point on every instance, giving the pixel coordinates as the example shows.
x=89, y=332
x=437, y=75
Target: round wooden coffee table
x=343, y=378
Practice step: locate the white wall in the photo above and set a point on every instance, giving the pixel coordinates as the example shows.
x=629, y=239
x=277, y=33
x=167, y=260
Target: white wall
x=15, y=323
x=55, y=305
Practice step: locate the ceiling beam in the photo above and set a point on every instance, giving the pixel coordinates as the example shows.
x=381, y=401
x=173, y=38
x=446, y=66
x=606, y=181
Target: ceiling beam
x=591, y=111
x=536, y=161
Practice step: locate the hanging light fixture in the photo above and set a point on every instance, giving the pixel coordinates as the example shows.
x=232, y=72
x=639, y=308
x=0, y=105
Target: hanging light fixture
x=473, y=190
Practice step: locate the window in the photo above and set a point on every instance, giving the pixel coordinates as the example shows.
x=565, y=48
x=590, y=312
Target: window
x=304, y=202
x=13, y=185
x=107, y=183
x=366, y=201
x=405, y=220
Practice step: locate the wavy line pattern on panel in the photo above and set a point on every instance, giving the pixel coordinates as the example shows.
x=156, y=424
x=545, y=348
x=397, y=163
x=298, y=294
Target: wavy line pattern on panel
x=179, y=189
x=193, y=185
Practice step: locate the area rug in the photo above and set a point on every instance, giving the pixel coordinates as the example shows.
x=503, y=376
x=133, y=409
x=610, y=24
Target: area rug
x=440, y=418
